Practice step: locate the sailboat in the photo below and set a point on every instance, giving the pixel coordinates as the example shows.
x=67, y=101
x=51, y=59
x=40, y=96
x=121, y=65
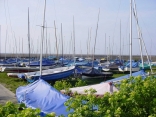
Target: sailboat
x=14, y=70
x=93, y=72
x=49, y=74
x=50, y=100
x=126, y=67
x=132, y=65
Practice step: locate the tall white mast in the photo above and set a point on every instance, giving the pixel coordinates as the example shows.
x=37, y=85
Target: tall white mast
x=105, y=45
x=6, y=42
x=130, y=37
x=95, y=38
x=28, y=37
x=120, y=40
x=0, y=40
x=42, y=40
x=74, y=39
x=139, y=34
x=62, y=44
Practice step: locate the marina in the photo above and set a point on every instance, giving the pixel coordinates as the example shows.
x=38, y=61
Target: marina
x=77, y=58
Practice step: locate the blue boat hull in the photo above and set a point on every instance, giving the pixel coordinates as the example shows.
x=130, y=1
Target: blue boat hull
x=48, y=77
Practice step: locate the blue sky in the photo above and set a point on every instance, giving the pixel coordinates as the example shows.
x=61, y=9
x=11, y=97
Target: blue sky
x=113, y=13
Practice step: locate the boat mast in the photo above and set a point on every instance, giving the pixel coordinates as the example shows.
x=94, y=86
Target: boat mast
x=74, y=39
x=71, y=45
x=22, y=47
x=90, y=40
x=0, y=41
x=105, y=46
x=62, y=44
x=95, y=39
x=120, y=41
x=42, y=40
x=146, y=54
x=28, y=36
x=88, y=44
x=6, y=42
x=139, y=34
x=109, y=50
x=56, y=41
x=46, y=47
x=130, y=37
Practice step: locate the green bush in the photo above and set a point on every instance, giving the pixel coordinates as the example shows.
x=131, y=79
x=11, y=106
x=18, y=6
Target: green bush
x=66, y=84
x=136, y=98
x=62, y=84
x=19, y=110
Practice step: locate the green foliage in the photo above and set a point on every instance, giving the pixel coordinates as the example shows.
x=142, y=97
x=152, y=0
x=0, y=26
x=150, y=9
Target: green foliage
x=20, y=110
x=66, y=84
x=83, y=105
x=80, y=83
x=136, y=98
x=62, y=84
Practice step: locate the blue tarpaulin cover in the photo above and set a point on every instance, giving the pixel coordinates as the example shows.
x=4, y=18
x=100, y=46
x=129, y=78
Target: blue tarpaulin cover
x=139, y=73
x=45, y=62
x=134, y=64
x=41, y=94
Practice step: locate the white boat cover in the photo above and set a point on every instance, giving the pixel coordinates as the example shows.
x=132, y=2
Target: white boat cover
x=101, y=89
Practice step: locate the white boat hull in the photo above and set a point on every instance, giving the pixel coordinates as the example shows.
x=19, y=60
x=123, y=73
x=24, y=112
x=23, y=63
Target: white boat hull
x=128, y=69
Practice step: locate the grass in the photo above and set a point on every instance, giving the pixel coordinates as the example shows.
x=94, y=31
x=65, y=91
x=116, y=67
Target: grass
x=11, y=83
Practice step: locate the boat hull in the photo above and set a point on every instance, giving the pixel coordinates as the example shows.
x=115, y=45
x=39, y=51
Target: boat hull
x=53, y=74
x=127, y=69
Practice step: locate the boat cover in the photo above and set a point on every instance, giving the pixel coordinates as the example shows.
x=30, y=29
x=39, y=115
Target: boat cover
x=139, y=73
x=45, y=62
x=42, y=95
x=96, y=72
x=101, y=89
x=134, y=64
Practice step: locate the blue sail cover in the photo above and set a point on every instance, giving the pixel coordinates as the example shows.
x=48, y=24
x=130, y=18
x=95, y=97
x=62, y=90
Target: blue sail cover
x=139, y=73
x=45, y=62
x=42, y=95
x=134, y=64
x=3, y=62
x=12, y=60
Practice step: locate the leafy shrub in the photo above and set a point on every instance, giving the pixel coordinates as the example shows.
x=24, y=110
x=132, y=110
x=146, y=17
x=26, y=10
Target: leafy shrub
x=19, y=110
x=136, y=98
x=62, y=84
x=66, y=84
x=80, y=83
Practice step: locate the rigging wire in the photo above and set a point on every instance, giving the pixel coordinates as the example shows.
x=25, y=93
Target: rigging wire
x=35, y=19
x=149, y=36
x=115, y=25
x=6, y=21
x=125, y=36
x=13, y=33
x=95, y=37
x=55, y=12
